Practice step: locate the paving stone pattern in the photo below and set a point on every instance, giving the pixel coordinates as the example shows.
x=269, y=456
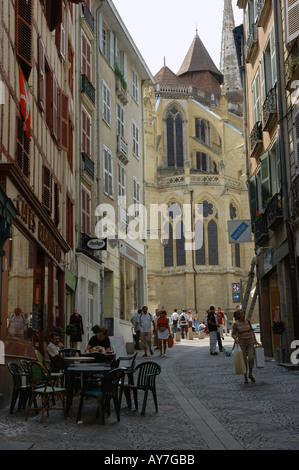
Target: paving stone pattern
x=203, y=405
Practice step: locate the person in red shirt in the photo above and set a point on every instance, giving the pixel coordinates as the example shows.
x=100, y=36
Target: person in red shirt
x=221, y=320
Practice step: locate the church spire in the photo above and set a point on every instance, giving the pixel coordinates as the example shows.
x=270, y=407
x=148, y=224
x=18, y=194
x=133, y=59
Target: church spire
x=229, y=66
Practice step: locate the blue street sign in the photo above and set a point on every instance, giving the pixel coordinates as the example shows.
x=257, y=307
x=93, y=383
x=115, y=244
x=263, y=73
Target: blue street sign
x=236, y=297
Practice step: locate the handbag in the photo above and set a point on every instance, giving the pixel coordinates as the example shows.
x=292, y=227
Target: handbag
x=170, y=341
x=259, y=357
x=238, y=358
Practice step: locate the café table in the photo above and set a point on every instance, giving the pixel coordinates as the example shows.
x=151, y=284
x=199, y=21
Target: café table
x=84, y=369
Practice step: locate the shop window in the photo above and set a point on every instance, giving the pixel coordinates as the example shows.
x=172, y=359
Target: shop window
x=20, y=285
x=130, y=286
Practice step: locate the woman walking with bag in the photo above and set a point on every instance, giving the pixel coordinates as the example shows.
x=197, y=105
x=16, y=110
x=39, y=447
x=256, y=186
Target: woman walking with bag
x=245, y=337
x=163, y=331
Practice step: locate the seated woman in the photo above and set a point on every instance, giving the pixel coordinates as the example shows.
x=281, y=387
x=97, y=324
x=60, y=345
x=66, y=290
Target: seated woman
x=99, y=342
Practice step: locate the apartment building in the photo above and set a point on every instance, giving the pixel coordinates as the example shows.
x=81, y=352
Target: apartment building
x=268, y=45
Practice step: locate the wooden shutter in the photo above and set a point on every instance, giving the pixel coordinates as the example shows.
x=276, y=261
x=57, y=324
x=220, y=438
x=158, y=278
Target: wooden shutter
x=23, y=149
x=64, y=120
x=85, y=221
x=53, y=13
x=265, y=178
x=253, y=197
x=24, y=31
x=55, y=109
x=56, y=205
x=47, y=188
x=292, y=19
x=273, y=56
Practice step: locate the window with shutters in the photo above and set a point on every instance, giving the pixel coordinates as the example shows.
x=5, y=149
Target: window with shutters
x=268, y=65
x=174, y=124
x=85, y=210
x=108, y=172
x=121, y=179
x=70, y=153
x=71, y=69
x=135, y=139
x=265, y=179
x=292, y=19
x=41, y=75
x=253, y=194
x=24, y=25
x=69, y=221
x=47, y=189
x=135, y=86
x=56, y=204
x=86, y=57
x=106, y=103
x=55, y=108
x=53, y=12
x=296, y=139
x=64, y=120
x=136, y=196
x=86, y=132
x=49, y=95
x=256, y=99
x=120, y=120
x=23, y=149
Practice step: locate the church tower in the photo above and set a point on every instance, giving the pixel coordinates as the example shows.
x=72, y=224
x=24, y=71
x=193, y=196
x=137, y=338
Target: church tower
x=195, y=167
x=229, y=66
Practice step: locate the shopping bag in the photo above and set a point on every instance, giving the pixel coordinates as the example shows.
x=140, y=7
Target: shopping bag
x=170, y=341
x=238, y=358
x=259, y=357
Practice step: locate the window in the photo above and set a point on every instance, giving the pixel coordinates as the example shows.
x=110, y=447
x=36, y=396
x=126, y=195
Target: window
x=268, y=65
x=174, y=125
x=256, y=99
x=108, y=172
x=23, y=149
x=69, y=220
x=47, y=188
x=235, y=246
x=24, y=19
x=292, y=15
x=86, y=133
x=135, y=89
x=135, y=139
x=202, y=130
x=136, y=196
x=213, y=243
x=86, y=57
x=85, y=210
x=120, y=120
x=208, y=252
x=106, y=104
x=121, y=177
x=174, y=249
x=71, y=69
x=205, y=164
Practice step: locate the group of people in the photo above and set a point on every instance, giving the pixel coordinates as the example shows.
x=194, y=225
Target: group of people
x=19, y=323
x=145, y=324
x=242, y=333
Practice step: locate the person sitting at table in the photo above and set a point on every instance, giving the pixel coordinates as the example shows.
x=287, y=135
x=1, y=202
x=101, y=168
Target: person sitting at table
x=53, y=350
x=99, y=342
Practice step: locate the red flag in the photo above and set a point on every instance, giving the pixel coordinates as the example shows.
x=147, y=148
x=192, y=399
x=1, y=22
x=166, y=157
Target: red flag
x=25, y=103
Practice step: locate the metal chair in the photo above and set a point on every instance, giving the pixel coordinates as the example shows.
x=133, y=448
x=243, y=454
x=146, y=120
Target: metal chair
x=102, y=357
x=146, y=380
x=109, y=390
x=42, y=386
x=20, y=389
x=57, y=376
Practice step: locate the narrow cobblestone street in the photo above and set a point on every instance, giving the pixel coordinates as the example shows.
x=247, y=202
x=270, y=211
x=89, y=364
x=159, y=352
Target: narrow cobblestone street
x=203, y=405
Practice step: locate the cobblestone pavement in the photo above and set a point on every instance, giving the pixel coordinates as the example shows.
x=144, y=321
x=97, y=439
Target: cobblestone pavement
x=203, y=405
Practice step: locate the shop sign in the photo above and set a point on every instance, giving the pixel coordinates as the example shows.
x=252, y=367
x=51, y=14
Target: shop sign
x=97, y=244
x=131, y=254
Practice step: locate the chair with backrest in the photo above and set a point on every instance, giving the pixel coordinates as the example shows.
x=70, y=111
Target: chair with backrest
x=56, y=376
x=102, y=357
x=109, y=390
x=21, y=386
x=70, y=352
x=146, y=381
x=42, y=386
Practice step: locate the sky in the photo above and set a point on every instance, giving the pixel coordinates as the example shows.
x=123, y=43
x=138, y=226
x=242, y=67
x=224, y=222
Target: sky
x=166, y=28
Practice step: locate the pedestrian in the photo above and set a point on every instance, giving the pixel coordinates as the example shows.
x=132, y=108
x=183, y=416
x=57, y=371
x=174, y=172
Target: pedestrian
x=213, y=328
x=136, y=328
x=190, y=320
x=184, y=323
x=155, y=317
x=163, y=331
x=146, y=321
x=196, y=322
x=175, y=319
x=16, y=326
x=235, y=315
x=243, y=335
x=220, y=321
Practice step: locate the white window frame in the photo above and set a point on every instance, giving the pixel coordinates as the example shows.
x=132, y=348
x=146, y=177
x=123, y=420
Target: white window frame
x=136, y=196
x=256, y=99
x=135, y=139
x=120, y=120
x=135, y=86
x=108, y=172
x=88, y=57
x=87, y=211
x=88, y=138
x=106, y=95
x=121, y=183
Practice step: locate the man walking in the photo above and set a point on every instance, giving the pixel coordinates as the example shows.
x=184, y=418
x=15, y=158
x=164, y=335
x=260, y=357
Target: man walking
x=175, y=318
x=145, y=322
x=213, y=327
x=136, y=327
x=184, y=323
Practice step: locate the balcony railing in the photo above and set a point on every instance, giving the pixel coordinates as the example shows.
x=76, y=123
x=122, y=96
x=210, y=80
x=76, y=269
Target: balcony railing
x=260, y=228
x=88, y=16
x=120, y=91
x=87, y=87
x=274, y=211
x=122, y=149
x=252, y=43
x=270, y=110
x=256, y=139
x=87, y=165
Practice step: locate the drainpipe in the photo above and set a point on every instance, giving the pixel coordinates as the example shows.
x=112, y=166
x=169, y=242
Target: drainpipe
x=193, y=251
x=284, y=184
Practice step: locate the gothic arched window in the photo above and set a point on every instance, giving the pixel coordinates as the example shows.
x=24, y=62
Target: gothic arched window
x=207, y=254
x=174, y=249
x=175, y=152
x=213, y=243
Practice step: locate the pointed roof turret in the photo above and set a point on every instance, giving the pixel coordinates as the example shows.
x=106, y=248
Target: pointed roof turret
x=198, y=60
x=167, y=77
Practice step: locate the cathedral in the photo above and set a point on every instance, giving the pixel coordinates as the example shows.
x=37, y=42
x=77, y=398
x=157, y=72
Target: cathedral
x=195, y=161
